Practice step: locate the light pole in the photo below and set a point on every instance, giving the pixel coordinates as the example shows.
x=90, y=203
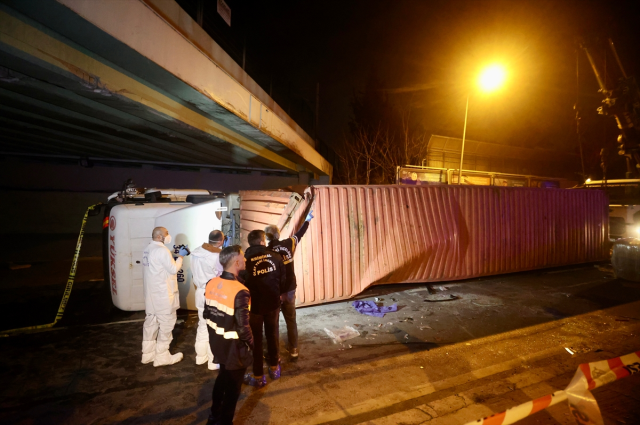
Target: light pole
x=491, y=78
x=464, y=134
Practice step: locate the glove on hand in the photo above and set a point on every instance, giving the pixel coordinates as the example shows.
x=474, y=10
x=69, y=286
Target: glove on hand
x=309, y=216
x=183, y=252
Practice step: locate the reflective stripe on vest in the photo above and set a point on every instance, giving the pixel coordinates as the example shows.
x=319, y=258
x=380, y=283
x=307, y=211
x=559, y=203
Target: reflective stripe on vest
x=221, y=331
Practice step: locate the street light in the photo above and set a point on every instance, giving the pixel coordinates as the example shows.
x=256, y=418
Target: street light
x=490, y=79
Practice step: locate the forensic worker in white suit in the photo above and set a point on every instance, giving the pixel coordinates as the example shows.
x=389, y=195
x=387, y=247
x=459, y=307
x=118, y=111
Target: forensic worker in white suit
x=161, y=299
x=205, y=265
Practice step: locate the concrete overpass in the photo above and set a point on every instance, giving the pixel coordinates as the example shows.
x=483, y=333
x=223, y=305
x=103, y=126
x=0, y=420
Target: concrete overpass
x=135, y=80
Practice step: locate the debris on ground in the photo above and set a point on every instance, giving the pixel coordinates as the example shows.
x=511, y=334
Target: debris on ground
x=340, y=335
x=569, y=351
x=378, y=299
x=425, y=327
x=437, y=300
x=372, y=309
x=607, y=268
x=179, y=321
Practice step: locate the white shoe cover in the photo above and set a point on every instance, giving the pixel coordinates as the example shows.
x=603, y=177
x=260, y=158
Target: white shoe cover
x=148, y=357
x=148, y=351
x=166, y=359
x=202, y=352
x=213, y=366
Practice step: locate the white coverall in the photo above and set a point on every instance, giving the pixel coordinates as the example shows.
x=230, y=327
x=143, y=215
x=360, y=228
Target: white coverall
x=205, y=265
x=161, y=300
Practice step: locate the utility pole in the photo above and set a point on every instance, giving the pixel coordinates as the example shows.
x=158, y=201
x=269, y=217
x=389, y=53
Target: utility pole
x=317, y=111
x=244, y=51
x=200, y=13
x=464, y=135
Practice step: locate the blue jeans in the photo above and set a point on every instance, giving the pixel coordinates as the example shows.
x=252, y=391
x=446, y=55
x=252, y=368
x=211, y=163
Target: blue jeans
x=288, y=308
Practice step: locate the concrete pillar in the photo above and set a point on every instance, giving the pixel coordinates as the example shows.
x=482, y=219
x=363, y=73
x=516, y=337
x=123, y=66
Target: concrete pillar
x=304, y=178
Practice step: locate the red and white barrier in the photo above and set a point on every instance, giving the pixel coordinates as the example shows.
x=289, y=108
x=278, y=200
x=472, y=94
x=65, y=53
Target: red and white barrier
x=582, y=404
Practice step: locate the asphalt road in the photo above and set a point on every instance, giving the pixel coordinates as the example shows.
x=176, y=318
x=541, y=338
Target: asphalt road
x=501, y=342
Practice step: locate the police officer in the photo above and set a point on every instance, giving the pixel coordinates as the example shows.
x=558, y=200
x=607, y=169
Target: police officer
x=266, y=278
x=287, y=248
x=161, y=299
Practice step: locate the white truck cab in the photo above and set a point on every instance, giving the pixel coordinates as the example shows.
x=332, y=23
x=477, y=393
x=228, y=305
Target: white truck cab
x=188, y=215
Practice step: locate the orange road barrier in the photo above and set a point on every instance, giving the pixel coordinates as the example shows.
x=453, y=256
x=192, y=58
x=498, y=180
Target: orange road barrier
x=582, y=404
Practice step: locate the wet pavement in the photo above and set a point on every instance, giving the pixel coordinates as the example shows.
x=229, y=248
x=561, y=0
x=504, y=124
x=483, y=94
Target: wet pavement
x=453, y=352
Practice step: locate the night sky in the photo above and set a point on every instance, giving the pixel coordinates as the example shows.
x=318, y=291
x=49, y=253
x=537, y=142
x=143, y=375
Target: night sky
x=425, y=54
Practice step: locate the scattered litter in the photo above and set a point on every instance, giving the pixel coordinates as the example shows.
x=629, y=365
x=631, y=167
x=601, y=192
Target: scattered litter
x=179, y=321
x=425, y=327
x=363, y=334
x=569, y=351
x=451, y=298
x=630, y=318
x=442, y=288
x=406, y=336
x=378, y=299
x=19, y=266
x=371, y=309
x=421, y=367
x=406, y=319
x=394, y=300
x=342, y=334
x=374, y=335
x=389, y=323
x=350, y=346
x=486, y=305
x=357, y=325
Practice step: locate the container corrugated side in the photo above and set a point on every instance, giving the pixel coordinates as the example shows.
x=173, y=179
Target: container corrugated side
x=365, y=235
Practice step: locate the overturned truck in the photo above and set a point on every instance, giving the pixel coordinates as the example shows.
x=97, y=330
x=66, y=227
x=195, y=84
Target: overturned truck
x=368, y=235
x=365, y=235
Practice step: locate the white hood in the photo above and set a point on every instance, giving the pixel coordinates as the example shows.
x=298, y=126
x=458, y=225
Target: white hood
x=205, y=265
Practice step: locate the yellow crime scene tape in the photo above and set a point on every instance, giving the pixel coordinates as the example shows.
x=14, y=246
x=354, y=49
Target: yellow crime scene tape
x=67, y=289
x=582, y=404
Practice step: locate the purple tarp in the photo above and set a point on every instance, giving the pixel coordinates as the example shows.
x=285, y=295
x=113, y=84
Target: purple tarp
x=371, y=309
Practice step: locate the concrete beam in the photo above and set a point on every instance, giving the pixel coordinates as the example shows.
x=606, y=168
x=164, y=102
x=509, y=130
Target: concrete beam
x=102, y=79
x=150, y=29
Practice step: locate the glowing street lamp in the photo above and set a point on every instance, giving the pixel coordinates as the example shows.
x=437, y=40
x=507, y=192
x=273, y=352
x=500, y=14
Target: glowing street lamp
x=490, y=79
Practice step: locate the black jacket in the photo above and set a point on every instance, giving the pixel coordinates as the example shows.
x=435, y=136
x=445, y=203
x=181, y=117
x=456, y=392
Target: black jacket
x=230, y=336
x=287, y=248
x=266, y=278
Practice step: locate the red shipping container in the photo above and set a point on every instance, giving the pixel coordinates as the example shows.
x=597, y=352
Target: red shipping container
x=366, y=235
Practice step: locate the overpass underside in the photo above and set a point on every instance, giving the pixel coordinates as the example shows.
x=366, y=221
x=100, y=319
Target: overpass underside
x=135, y=80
